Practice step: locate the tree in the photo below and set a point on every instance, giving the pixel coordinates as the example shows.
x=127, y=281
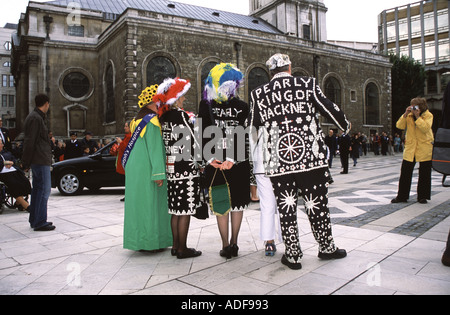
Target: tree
x=408, y=82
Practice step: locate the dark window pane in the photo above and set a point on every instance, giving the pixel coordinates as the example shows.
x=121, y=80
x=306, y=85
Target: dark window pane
x=76, y=30
x=159, y=69
x=372, y=105
x=110, y=114
x=306, y=31
x=205, y=72
x=76, y=85
x=333, y=93
x=333, y=90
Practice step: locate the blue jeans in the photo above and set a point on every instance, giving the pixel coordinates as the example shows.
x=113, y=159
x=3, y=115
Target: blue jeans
x=39, y=195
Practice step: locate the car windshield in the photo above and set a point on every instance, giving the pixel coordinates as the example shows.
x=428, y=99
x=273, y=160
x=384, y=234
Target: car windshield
x=105, y=151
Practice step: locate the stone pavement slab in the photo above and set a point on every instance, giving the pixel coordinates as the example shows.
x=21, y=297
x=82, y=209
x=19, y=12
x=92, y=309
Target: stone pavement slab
x=392, y=249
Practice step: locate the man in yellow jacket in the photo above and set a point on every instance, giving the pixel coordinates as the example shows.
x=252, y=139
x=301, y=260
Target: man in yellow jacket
x=418, y=122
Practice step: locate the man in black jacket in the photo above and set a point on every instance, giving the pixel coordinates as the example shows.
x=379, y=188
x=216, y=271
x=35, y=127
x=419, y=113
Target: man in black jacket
x=344, y=150
x=331, y=142
x=37, y=155
x=287, y=109
x=89, y=142
x=74, y=147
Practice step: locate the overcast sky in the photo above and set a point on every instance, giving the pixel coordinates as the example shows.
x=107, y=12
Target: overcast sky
x=353, y=20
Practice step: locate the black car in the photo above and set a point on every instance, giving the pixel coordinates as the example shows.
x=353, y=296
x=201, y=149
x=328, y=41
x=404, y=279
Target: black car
x=94, y=172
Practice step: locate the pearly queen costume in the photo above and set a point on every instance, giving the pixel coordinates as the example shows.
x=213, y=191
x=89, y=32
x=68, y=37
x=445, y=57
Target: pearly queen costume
x=220, y=108
x=177, y=126
x=287, y=109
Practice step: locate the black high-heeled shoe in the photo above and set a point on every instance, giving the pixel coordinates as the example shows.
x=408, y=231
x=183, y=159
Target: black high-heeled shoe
x=234, y=250
x=189, y=253
x=226, y=252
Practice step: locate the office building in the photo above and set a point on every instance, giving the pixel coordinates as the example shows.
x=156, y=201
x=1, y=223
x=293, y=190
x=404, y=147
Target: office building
x=421, y=31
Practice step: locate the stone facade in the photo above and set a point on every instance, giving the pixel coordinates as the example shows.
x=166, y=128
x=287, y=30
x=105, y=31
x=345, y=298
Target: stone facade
x=116, y=57
x=300, y=18
x=7, y=90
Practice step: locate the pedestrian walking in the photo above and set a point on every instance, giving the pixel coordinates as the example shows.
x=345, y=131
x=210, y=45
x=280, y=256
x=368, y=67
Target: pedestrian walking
x=384, y=140
x=344, y=150
x=418, y=122
x=286, y=109
x=332, y=144
x=224, y=112
x=183, y=174
x=355, y=145
x=376, y=143
x=391, y=145
x=147, y=219
x=397, y=143
x=364, y=144
x=37, y=156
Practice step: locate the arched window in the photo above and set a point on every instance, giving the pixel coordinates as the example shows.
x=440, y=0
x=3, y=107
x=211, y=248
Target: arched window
x=110, y=106
x=333, y=90
x=333, y=93
x=205, y=72
x=257, y=76
x=372, y=104
x=299, y=72
x=160, y=68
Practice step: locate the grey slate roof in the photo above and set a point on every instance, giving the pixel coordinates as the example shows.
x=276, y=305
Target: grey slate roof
x=177, y=9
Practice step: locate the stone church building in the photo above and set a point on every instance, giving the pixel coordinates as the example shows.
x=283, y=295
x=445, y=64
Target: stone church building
x=94, y=57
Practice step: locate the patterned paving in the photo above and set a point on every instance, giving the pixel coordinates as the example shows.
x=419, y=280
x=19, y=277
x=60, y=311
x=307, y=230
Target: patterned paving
x=378, y=179
x=388, y=253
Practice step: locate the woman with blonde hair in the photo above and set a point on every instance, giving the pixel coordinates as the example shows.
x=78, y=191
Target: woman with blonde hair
x=418, y=122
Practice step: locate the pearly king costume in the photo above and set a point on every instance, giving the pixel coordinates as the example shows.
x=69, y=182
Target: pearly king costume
x=295, y=154
x=147, y=220
x=177, y=127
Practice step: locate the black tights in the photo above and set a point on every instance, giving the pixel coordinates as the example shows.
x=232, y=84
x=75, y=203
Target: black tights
x=223, y=223
x=180, y=229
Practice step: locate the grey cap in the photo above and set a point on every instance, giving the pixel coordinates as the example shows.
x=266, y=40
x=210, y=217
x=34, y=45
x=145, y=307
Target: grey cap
x=278, y=61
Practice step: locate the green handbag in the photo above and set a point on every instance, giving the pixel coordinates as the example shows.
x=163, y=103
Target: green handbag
x=219, y=197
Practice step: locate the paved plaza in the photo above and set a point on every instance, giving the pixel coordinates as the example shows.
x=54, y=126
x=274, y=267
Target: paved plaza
x=392, y=248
